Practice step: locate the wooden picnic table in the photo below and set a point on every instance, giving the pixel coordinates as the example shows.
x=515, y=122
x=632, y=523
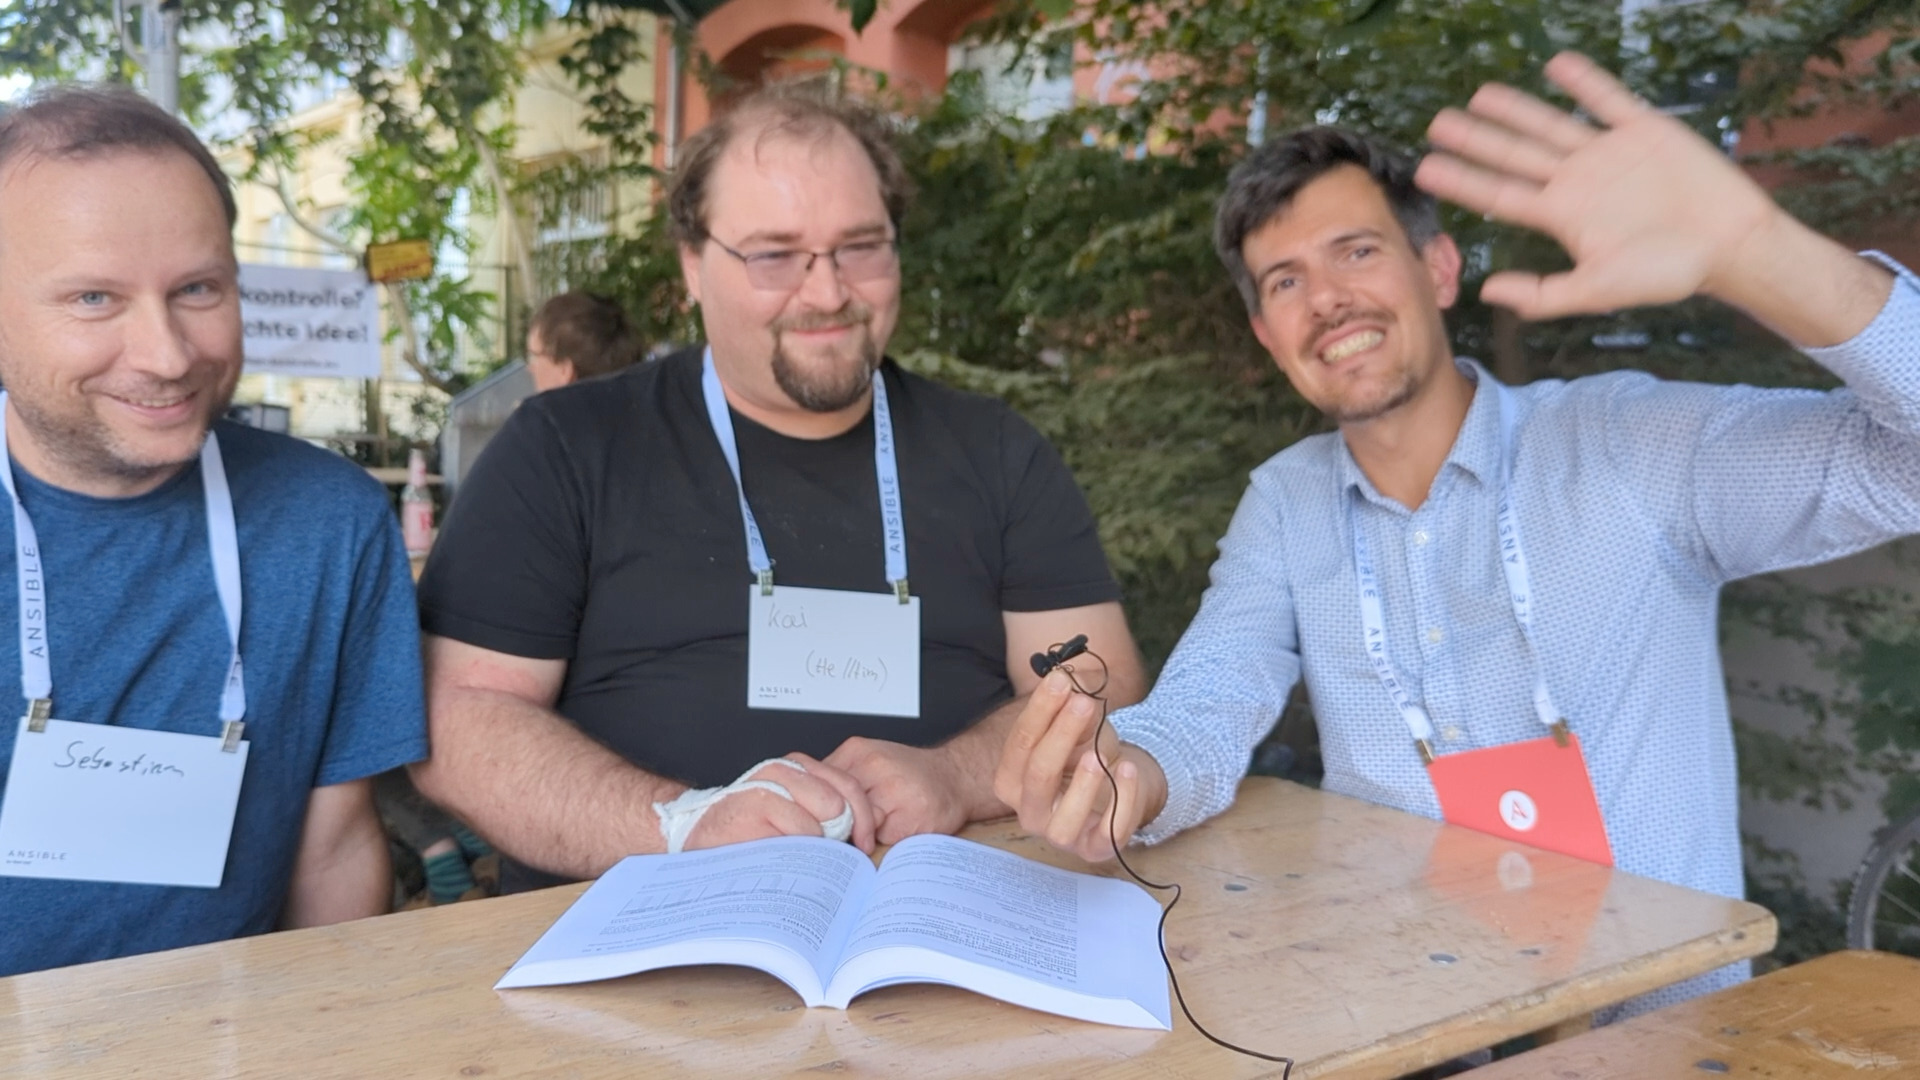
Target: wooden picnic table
x=1362, y=941
x=1845, y=1015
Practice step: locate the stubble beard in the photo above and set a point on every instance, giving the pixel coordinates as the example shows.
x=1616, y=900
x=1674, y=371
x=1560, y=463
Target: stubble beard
x=1401, y=386
x=1398, y=393
x=86, y=445
x=835, y=384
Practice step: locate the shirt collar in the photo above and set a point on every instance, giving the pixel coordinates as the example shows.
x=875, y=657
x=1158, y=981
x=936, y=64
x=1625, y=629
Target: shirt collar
x=1476, y=449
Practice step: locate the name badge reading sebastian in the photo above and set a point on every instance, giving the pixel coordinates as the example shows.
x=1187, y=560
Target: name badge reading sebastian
x=93, y=802
x=825, y=650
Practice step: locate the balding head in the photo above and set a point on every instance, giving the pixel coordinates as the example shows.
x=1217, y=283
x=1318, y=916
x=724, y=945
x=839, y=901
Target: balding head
x=78, y=122
x=801, y=111
x=120, y=328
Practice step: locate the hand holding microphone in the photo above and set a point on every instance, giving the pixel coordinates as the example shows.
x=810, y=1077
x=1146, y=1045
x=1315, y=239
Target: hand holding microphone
x=1049, y=772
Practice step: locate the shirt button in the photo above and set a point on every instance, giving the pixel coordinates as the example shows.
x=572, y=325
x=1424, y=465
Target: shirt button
x=1434, y=635
x=1420, y=537
x=1450, y=733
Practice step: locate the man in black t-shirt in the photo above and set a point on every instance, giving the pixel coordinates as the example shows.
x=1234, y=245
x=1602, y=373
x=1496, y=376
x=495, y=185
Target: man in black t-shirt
x=588, y=603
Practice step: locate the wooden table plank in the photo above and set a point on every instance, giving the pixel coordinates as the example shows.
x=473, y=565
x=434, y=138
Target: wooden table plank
x=1845, y=1016
x=1363, y=941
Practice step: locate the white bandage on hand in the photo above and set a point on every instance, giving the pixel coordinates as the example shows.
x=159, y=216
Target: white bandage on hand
x=679, y=816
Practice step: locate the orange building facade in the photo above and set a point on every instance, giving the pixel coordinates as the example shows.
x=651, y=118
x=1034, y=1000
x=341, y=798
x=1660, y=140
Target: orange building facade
x=917, y=44
x=1843, y=125
x=751, y=41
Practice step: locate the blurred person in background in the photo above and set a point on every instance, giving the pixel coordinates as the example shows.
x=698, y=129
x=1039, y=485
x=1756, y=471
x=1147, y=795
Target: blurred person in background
x=579, y=335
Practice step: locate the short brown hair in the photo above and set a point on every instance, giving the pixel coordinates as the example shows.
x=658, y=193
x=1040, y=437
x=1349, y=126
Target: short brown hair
x=586, y=330
x=1265, y=182
x=74, y=121
x=804, y=109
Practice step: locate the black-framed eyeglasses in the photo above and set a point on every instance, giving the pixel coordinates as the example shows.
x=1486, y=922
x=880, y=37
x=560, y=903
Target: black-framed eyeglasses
x=786, y=270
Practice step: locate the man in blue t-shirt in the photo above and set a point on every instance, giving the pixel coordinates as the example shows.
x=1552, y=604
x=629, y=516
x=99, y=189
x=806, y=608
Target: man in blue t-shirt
x=240, y=603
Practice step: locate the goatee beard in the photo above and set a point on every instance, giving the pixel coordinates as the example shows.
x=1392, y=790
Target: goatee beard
x=836, y=387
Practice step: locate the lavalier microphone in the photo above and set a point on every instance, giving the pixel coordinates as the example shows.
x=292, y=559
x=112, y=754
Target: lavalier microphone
x=1055, y=658
x=1044, y=662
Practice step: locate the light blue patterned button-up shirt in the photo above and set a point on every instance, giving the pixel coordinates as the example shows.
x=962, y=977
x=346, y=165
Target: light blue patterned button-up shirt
x=1636, y=499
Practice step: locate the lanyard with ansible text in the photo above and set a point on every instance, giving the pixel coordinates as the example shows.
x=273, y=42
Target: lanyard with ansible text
x=99, y=802
x=828, y=650
x=1537, y=791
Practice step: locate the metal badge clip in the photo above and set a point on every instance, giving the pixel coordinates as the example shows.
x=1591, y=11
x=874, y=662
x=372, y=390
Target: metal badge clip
x=39, y=711
x=900, y=589
x=1426, y=751
x=1560, y=733
x=230, y=736
x=766, y=582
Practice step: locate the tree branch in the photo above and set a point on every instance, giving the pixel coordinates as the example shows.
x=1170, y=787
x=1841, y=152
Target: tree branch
x=299, y=217
x=402, y=313
x=395, y=293
x=509, y=213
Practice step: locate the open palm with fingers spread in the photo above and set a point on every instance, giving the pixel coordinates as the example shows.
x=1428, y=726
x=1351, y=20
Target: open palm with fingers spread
x=1650, y=212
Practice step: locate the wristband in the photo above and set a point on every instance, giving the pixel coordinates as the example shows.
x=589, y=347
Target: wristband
x=679, y=816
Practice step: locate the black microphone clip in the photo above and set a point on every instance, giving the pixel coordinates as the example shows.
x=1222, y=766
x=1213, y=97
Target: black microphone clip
x=1044, y=662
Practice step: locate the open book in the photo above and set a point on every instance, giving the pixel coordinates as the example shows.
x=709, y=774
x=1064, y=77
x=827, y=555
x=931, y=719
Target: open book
x=816, y=915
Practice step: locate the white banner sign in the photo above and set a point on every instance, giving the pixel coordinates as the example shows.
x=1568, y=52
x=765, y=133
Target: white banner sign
x=308, y=322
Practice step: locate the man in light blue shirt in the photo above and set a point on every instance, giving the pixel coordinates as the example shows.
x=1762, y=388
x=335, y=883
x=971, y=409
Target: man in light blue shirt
x=1637, y=499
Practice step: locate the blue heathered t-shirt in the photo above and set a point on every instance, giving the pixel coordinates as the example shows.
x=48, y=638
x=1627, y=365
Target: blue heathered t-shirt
x=331, y=644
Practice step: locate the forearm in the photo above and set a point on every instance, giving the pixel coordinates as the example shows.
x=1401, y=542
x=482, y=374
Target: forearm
x=536, y=787
x=972, y=756
x=1230, y=676
x=1802, y=285
x=351, y=879
x=1196, y=767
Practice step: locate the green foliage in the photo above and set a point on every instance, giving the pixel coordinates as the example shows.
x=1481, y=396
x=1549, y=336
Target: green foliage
x=1095, y=251
x=1810, y=925
x=433, y=100
x=433, y=80
x=1162, y=448
x=642, y=270
x=62, y=39
x=1866, y=723
x=860, y=12
x=605, y=51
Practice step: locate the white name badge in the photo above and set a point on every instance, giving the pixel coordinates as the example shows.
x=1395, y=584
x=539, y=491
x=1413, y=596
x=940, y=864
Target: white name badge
x=91, y=802
x=824, y=650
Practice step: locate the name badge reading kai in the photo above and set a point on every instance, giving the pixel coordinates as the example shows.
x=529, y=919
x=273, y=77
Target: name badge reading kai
x=826, y=650
x=92, y=802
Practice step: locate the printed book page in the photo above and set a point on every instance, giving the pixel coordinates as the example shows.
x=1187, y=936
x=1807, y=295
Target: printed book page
x=816, y=915
x=949, y=910
x=782, y=905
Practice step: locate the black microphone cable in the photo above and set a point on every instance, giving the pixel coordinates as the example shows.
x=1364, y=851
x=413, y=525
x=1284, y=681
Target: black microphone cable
x=1058, y=657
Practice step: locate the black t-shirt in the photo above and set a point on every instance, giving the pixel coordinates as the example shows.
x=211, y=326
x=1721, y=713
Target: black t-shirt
x=602, y=527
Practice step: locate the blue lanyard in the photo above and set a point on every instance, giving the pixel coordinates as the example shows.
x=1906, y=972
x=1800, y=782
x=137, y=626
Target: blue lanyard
x=1513, y=561
x=893, y=525
x=36, y=669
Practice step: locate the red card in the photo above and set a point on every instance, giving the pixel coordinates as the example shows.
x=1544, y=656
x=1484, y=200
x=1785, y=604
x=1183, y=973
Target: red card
x=1536, y=792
